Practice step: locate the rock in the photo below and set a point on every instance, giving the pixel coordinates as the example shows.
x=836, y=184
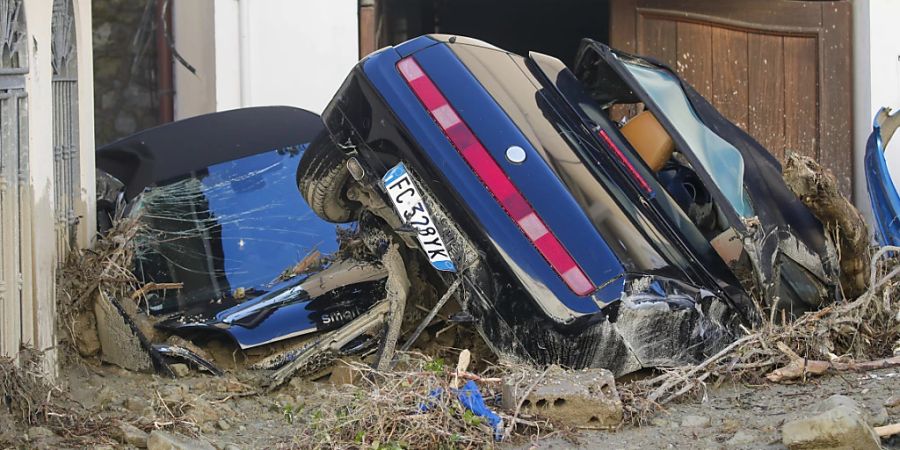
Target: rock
x=695, y=421
x=742, y=439
x=86, y=339
x=136, y=404
x=892, y=401
x=40, y=433
x=878, y=416
x=164, y=440
x=836, y=401
x=119, y=343
x=842, y=426
x=585, y=398
x=172, y=394
x=231, y=447
x=223, y=425
x=180, y=370
x=127, y=433
x=202, y=412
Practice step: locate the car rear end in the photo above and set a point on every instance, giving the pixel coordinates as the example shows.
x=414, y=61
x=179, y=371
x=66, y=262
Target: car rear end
x=563, y=217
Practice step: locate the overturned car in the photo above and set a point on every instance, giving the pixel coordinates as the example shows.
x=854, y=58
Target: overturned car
x=566, y=236
x=578, y=240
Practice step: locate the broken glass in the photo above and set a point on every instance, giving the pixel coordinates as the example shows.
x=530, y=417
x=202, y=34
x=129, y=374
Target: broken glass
x=227, y=232
x=721, y=160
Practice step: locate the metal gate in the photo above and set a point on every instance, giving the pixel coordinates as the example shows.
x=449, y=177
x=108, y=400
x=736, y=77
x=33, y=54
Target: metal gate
x=16, y=302
x=67, y=185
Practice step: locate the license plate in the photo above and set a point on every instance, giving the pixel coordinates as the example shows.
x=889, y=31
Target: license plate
x=408, y=202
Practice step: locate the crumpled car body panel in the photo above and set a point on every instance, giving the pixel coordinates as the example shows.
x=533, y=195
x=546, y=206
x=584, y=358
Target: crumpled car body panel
x=455, y=110
x=217, y=201
x=882, y=188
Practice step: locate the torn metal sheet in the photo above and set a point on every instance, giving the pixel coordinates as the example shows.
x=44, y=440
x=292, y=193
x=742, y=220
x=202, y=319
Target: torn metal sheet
x=187, y=355
x=322, y=301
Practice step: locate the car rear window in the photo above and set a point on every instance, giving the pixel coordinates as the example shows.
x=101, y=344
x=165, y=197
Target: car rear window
x=721, y=160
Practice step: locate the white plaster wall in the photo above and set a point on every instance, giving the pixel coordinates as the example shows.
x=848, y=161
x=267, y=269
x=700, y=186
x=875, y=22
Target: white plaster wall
x=87, y=208
x=193, y=29
x=876, y=55
x=36, y=320
x=283, y=52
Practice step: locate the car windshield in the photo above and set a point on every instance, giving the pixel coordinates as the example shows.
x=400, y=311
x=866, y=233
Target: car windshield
x=231, y=230
x=720, y=159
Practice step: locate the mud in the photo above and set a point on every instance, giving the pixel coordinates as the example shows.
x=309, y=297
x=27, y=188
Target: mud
x=739, y=416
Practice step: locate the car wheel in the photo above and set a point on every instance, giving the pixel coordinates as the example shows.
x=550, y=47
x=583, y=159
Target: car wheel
x=322, y=178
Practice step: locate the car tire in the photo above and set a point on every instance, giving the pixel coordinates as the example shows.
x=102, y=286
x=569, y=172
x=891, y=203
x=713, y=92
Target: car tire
x=322, y=178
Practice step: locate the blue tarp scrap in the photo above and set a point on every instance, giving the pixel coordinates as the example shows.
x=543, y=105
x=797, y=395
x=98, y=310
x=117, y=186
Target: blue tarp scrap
x=469, y=397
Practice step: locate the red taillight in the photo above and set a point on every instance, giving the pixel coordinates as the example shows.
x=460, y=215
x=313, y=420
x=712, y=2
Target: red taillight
x=494, y=178
x=631, y=169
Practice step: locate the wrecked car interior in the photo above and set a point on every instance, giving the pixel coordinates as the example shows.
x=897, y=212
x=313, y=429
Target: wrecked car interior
x=598, y=216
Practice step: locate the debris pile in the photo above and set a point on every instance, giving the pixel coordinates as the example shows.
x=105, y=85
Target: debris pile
x=857, y=335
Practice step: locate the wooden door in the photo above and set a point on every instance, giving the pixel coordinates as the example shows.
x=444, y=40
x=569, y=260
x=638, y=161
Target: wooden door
x=779, y=69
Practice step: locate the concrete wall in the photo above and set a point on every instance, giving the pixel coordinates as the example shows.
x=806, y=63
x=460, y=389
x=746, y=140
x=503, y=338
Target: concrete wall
x=125, y=68
x=264, y=52
x=37, y=303
x=876, y=54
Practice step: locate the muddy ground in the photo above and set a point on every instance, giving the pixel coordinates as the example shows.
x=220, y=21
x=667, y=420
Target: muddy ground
x=219, y=411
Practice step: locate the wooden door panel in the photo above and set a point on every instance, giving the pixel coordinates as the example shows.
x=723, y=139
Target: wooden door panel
x=658, y=39
x=766, y=77
x=729, y=74
x=779, y=69
x=800, y=94
x=694, y=56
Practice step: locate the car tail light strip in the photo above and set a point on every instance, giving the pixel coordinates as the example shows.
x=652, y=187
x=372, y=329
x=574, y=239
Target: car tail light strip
x=621, y=156
x=494, y=178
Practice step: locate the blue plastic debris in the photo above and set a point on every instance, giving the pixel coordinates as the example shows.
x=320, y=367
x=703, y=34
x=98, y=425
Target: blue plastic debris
x=470, y=398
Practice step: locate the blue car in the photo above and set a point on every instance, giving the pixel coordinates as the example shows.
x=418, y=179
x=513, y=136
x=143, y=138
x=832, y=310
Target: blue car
x=604, y=215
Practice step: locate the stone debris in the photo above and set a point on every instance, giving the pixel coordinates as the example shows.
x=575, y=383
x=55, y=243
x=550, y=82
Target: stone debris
x=180, y=370
x=695, y=422
x=582, y=398
x=35, y=433
x=842, y=425
x=743, y=439
x=127, y=433
x=164, y=440
x=120, y=343
x=892, y=401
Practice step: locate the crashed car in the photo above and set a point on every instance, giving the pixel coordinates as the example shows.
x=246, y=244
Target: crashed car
x=221, y=223
x=579, y=240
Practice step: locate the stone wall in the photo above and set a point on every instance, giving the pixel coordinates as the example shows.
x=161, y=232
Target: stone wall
x=125, y=89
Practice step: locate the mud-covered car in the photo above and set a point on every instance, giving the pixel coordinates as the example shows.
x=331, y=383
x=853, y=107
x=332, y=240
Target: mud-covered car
x=581, y=240
x=225, y=246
